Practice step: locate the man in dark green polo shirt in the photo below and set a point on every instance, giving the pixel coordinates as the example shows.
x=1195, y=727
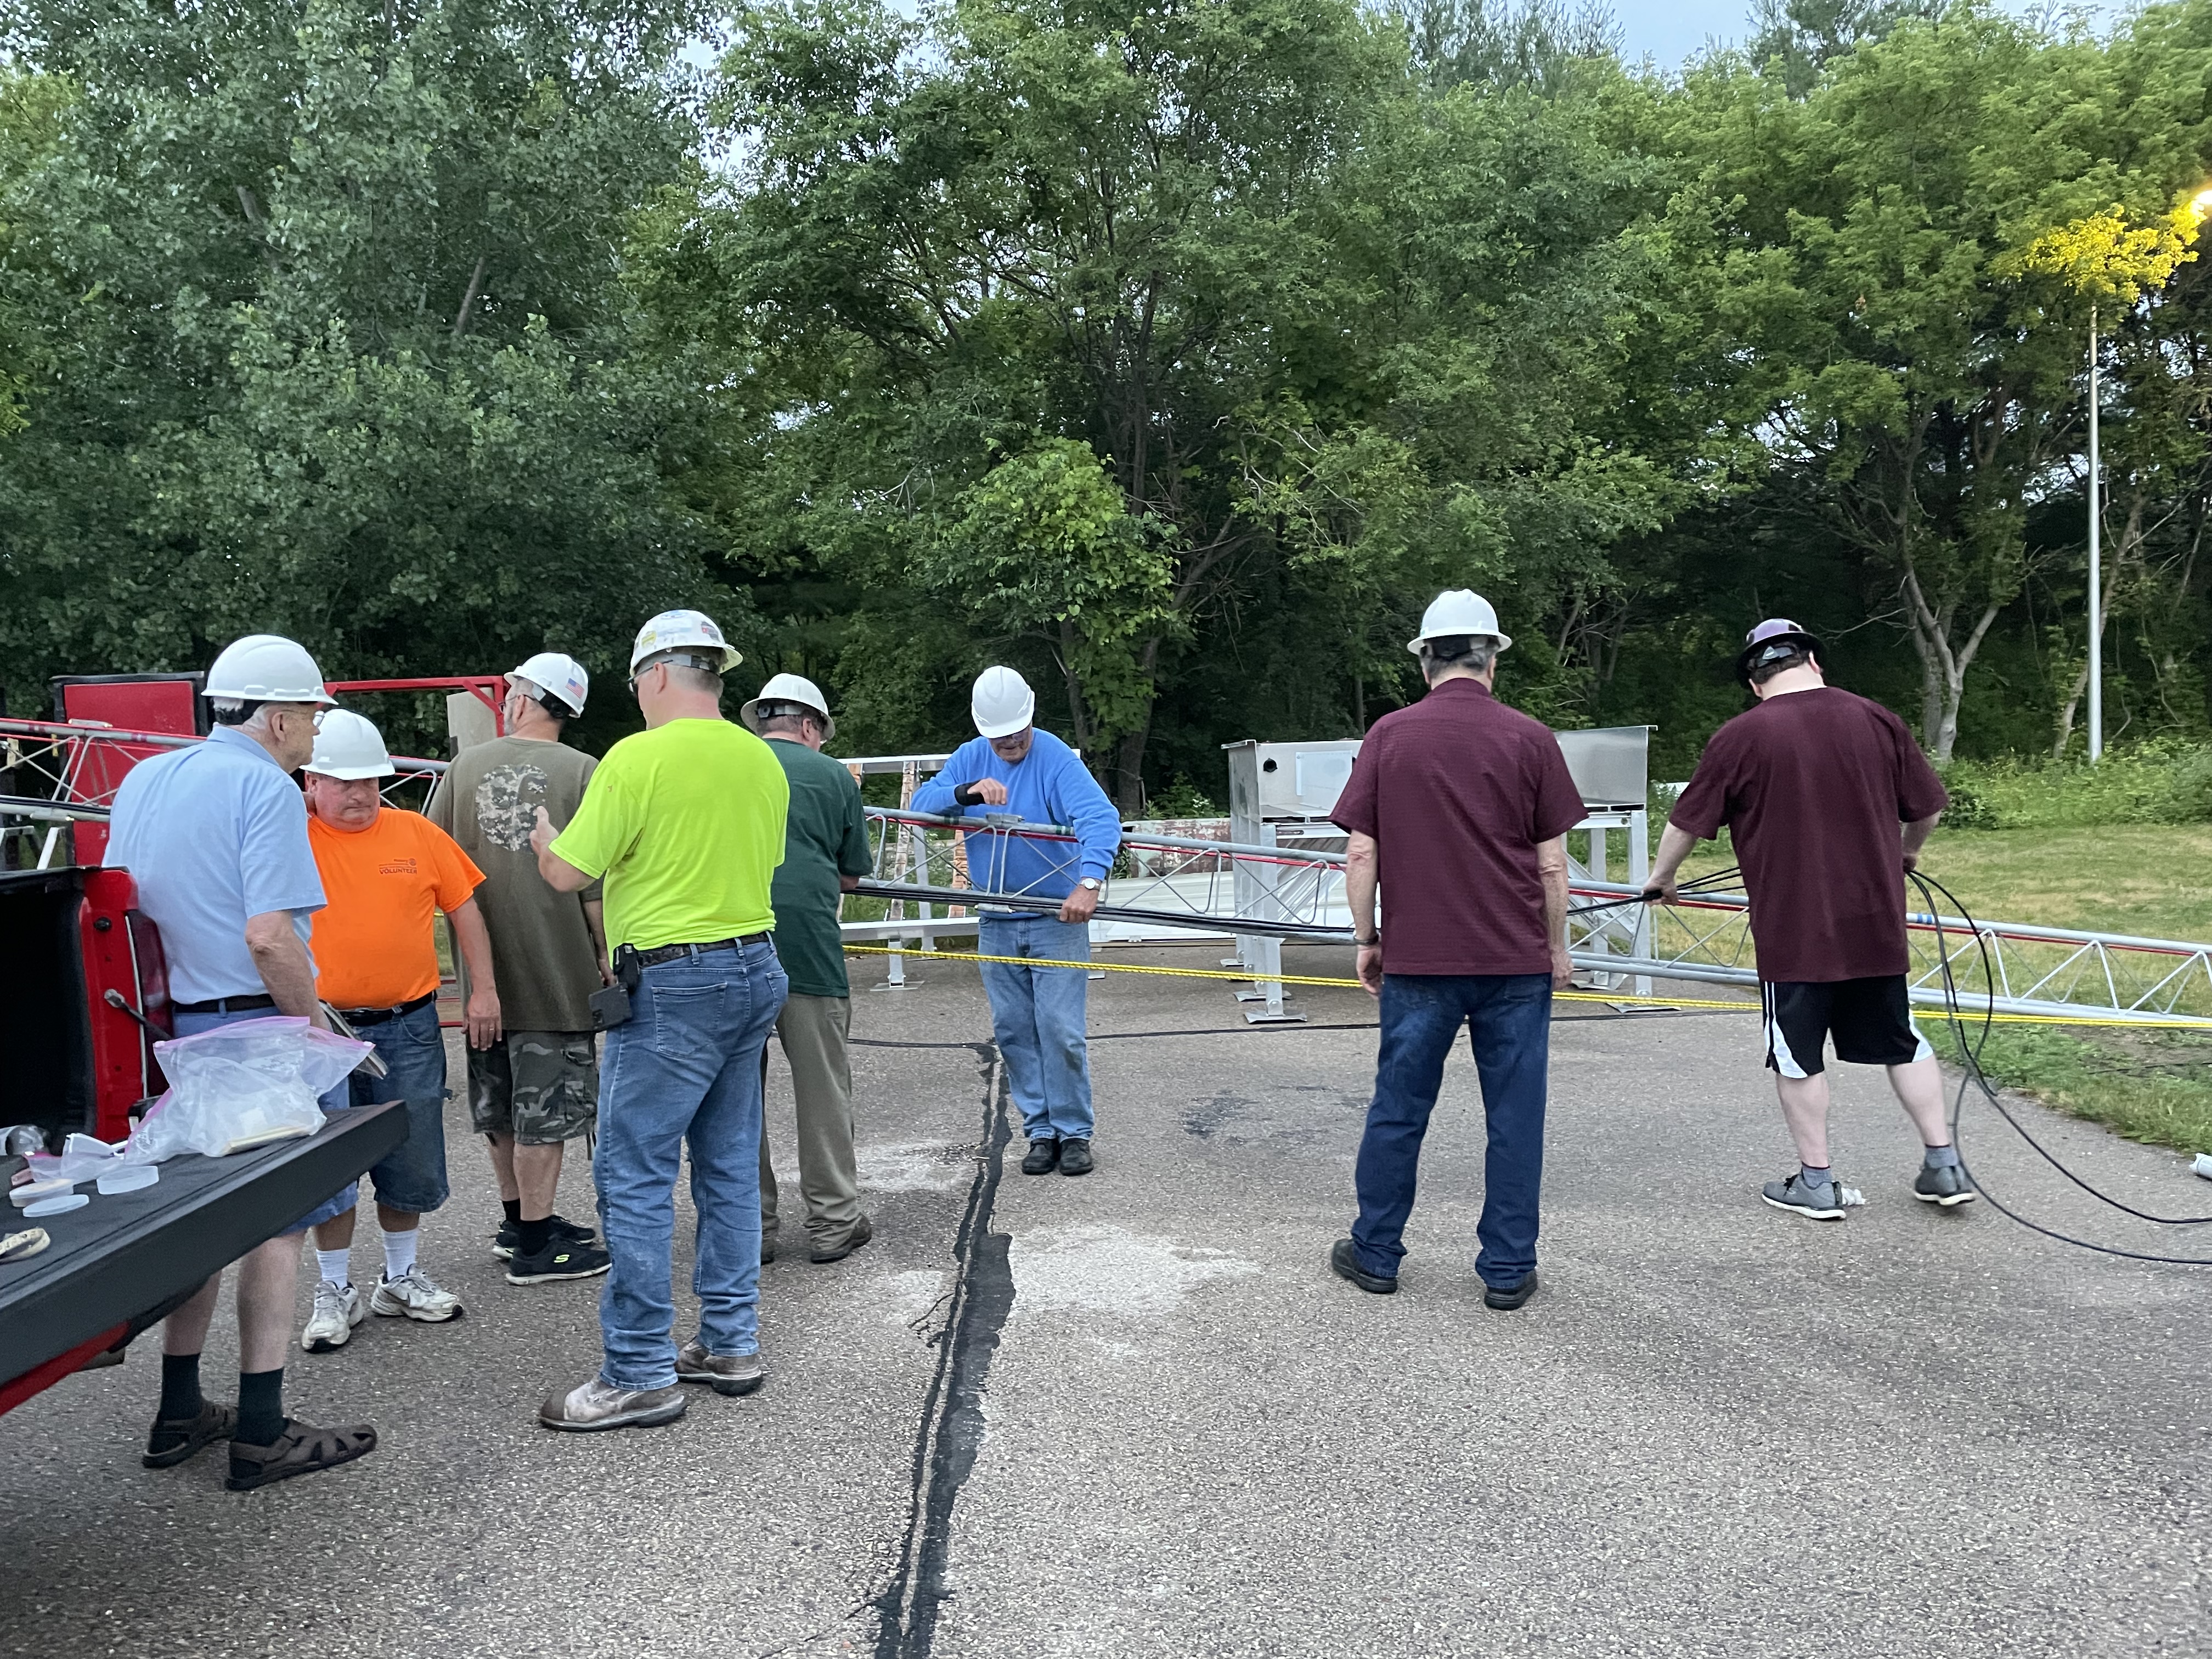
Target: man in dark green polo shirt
x=825, y=855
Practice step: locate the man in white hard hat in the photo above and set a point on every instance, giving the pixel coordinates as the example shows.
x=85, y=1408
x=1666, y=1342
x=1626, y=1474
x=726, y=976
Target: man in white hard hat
x=1828, y=801
x=1457, y=810
x=825, y=854
x=1036, y=1013
x=215, y=835
x=536, y=1089
x=387, y=874
x=684, y=821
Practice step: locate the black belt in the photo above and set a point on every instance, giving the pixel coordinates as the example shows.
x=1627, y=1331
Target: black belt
x=659, y=954
x=359, y=1017
x=222, y=1006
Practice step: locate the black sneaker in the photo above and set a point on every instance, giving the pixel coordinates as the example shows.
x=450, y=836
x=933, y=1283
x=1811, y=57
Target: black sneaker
x=1044, y=1152
x=1948, y=1186
x=1512, y=1297
x=1344, y=1263
x=1075, y=1158
x=560, y=1259
x=508, y=1238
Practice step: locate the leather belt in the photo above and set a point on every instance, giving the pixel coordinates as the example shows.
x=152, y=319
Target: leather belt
x=222, y=1006
x=359, y=1017
x=659, y=954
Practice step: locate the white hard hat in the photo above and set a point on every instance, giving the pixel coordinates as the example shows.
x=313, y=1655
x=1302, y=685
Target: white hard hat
x=349, y=746
x=265, y=668
x=1001, y=702
x=560, y=677
x=790, y=688
x=1461, y=613
x=672, y=630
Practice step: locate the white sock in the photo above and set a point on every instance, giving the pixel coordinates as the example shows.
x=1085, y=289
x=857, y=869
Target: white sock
x=400, y=1253
x=336, y=1265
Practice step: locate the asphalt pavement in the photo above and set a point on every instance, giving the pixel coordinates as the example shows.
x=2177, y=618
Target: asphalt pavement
x=1134, y=1413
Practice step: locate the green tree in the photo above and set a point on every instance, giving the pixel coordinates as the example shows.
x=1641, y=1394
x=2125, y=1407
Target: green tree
x=332, y=336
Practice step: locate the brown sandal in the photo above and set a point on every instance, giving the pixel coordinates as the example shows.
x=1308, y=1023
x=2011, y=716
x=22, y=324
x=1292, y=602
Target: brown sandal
x=214, y=1423
x=302, y=1449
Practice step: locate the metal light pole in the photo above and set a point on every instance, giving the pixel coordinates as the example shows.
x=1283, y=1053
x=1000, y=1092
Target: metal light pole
x=2096, y=580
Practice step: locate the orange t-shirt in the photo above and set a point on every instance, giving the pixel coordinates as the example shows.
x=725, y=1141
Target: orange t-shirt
x=375, y=942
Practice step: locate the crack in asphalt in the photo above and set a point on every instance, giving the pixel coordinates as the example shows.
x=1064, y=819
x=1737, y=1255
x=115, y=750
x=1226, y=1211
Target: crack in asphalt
x=950, y=1432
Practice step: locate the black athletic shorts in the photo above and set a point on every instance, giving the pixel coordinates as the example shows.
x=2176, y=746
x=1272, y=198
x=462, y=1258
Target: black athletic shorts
x=1870, y=1019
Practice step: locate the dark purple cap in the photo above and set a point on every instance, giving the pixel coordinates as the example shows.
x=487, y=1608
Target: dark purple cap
x=1774, y=636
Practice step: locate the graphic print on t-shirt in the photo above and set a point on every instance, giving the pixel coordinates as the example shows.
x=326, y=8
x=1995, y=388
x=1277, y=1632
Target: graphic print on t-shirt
x=507, y=800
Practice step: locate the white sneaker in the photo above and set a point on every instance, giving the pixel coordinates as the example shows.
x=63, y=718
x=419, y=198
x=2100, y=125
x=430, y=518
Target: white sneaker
x=337, y=1310
x=414, y=1294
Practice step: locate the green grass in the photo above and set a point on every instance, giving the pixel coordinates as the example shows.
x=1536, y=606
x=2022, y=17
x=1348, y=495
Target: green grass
x=2154, y=880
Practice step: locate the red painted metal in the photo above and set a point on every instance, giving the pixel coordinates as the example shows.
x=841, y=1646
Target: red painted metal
x=490, y=689
x=105, y=933
x=39, y=1378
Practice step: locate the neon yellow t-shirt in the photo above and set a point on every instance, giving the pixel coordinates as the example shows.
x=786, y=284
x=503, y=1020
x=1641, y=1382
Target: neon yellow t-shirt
x=685, y=823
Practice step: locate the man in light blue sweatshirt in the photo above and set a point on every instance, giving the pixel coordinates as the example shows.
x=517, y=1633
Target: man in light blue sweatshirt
x=1036, y=1013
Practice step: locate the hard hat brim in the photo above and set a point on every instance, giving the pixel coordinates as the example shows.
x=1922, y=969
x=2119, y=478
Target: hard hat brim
x=352, y=774
x=1415, y=644
x=749, y=713
x=1796, y=637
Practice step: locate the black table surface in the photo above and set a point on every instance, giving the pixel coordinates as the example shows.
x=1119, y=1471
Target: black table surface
x=126, y=1254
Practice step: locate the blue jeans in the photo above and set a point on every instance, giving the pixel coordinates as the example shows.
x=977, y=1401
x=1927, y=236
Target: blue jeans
x=686, y=1069
x=1038, y=1020
x=1508, y=1016
x=411, y=1177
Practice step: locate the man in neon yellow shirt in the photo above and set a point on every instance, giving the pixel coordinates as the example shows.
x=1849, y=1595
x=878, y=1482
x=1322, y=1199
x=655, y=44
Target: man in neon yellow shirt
x=685, y=823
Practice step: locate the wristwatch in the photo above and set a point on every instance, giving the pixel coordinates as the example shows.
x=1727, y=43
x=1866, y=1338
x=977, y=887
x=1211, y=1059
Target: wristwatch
x=1089, y=883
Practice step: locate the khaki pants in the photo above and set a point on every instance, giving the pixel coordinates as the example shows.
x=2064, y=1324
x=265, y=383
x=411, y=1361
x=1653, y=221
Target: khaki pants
x=813, y=1031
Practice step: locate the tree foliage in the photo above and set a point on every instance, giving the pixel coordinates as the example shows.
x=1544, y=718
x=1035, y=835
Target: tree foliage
x=1177, y=355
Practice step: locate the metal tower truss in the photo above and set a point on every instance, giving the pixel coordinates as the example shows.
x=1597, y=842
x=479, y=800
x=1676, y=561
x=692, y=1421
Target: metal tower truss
x=1166, y=885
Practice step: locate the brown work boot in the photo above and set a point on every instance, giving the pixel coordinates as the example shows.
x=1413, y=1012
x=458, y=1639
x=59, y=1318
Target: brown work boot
x=599, y=1404
x=733, y=1374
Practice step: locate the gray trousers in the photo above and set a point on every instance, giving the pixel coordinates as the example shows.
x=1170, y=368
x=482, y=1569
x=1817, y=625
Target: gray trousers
x=813, y=1031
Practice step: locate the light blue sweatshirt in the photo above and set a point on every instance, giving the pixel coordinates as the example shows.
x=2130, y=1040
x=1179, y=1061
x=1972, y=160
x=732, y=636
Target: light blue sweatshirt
x=1049, y=785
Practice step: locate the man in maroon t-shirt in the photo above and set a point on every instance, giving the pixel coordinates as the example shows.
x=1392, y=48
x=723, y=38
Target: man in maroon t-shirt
x=1457, y=807
x=1829, y=801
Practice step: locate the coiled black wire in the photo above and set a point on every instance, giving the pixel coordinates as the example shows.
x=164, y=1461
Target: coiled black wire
x=1969, y=1055
x=1702, y=885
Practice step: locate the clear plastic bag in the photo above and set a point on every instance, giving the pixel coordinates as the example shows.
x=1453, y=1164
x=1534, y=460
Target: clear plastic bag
x=81, y=1159
x=241, y=1086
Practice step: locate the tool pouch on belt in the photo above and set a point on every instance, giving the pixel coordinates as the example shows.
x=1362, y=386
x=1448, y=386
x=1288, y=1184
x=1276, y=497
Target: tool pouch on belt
x=610, y=1006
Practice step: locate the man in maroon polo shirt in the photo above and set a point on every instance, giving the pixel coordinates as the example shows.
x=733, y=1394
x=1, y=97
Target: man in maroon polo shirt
x=1457, y=808
x=1829, y=801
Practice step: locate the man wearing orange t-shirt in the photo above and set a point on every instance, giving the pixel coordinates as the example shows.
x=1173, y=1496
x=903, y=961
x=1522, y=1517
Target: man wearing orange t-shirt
x=385, y=875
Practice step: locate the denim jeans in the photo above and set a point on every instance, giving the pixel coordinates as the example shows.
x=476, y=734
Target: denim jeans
x=1508, y=1016
x=1038, y=1020
x=686, y=1069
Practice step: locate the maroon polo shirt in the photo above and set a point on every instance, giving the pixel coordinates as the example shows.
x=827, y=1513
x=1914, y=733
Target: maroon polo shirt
x=1458, y=792
x=1813, y=786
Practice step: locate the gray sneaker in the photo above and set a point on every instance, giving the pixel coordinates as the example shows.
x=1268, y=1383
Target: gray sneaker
x=739, y=1373
x=598, y=1405
x=1822, y=1203
x=1948, y=1186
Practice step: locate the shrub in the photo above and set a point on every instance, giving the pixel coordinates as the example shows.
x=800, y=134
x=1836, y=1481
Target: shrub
x=2163, y=780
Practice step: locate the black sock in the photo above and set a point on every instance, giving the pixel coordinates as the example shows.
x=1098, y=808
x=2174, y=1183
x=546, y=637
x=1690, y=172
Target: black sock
x=513, y=1208
x=535, y=1235
x=180, y=1386
x=260, y=1407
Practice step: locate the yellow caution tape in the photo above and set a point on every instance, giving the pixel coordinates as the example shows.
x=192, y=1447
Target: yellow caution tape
x=1731, y=1005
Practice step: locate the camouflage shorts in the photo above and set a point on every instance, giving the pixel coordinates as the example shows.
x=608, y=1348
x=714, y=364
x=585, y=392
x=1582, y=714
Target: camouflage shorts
x=541, y=1087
